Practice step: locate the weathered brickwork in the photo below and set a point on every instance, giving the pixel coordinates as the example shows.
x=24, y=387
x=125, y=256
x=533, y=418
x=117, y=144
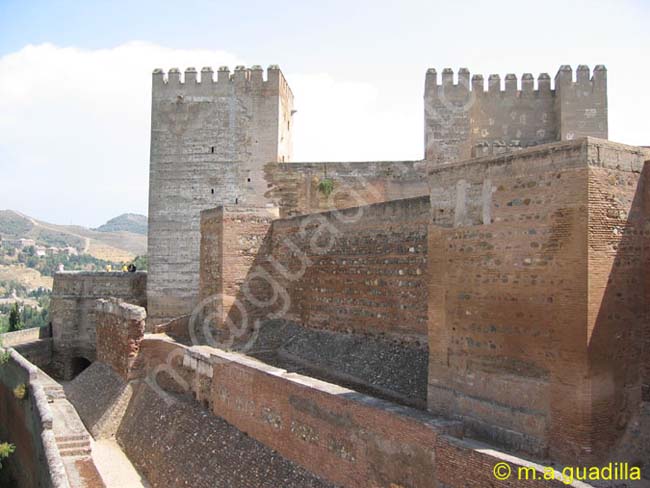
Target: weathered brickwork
x=210, y=140
x=120, y=328
x=535, y=269
x=73, y=313
x=233, y=241
x=294, y=187
x=463, y=120
x=27, y=423
x=34, y=344
x=345, y=437
x=358, y=271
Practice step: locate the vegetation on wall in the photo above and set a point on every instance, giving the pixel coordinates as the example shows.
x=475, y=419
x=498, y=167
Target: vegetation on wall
x=326, y=186
x=6, y=450
x=20, y=391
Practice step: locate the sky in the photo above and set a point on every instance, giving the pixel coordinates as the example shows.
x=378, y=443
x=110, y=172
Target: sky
x=75, y=78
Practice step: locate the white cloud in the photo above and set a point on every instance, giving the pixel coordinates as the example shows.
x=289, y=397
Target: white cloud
x=74, y=123
x=74, y=126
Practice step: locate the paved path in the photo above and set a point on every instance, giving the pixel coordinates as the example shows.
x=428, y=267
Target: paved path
x=114, y=467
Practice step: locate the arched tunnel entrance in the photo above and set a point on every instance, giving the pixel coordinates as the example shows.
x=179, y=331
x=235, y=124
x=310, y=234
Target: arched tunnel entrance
x=78, y=364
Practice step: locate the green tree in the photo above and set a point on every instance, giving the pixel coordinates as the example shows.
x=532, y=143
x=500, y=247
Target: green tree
x=14, y=319
x=141, y=262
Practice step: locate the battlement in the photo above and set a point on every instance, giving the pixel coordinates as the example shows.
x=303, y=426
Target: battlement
x=512, y=85
x=465, y=118
x=250, y=80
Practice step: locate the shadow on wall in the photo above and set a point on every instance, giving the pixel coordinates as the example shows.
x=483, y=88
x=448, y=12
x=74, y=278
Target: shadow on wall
x=78, y=365
x=619, y=290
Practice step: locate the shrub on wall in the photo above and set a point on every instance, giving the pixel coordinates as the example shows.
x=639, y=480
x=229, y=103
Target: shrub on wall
x=326, y=186
x=20, y=391
x=6, y=450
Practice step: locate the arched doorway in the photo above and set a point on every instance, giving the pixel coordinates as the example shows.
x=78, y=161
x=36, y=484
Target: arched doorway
x=78, y=364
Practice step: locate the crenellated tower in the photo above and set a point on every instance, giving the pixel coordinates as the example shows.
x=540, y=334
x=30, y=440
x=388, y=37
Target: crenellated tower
x=464, y=120
x=210, y=139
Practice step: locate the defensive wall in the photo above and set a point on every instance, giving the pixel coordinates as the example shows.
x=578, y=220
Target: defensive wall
x=537, y=297
x=463, y=120
x=210, y=141
x=34, y=344
x=193, y=402
x=228, y=142
x=72, y=310
x=294, y=187
x=27, y=423
x=532, y=279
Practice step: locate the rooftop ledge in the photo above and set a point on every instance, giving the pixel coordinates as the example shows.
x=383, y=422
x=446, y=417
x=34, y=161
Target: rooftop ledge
x=593, y=152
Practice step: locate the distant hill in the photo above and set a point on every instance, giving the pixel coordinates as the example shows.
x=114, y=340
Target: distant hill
x=128, y=222
x=111, y=245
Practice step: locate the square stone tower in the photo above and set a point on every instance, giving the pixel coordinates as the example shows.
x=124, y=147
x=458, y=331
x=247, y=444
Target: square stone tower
x=210, y=140
x=464, y=120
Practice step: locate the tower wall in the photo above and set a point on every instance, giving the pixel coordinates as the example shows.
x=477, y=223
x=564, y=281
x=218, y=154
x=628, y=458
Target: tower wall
x=465, y=119
x=210, y=139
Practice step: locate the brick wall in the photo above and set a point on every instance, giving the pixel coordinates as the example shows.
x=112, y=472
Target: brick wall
x=120, y=328
x=27, y=423
x=73, y=314
x=358, y=270
x=294, y=186
x=535, y=298
x=344, y=437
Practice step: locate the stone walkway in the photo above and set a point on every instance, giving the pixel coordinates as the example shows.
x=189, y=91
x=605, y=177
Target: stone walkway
x=114, y=467
x=88, y=463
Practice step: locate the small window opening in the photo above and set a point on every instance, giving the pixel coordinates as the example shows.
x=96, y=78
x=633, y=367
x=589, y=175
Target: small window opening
x=236, y=200
x=248, y=179
x=212, y=149
x=212, y=191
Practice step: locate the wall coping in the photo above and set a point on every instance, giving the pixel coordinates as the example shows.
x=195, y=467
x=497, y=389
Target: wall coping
x=584, y=144
x=117, y=307
x=55, y=466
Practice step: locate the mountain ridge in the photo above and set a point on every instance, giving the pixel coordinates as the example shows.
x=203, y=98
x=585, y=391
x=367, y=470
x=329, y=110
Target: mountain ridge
x=113, y=243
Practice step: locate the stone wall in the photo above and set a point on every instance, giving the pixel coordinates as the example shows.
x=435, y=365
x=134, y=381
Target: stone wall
x=536, y=296
x=357, y=271
x=462, y=120
x=120, y=328
x=27, y=423
x=294, y=187
x=210, y=140
x=34, y=344
x=344, y=437
x=73, y=313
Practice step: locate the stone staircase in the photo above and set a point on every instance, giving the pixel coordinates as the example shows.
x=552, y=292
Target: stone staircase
x=73, y=445
x=54, y=392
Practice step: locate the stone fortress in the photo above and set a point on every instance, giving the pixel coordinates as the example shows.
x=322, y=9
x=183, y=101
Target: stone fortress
x=384, y=324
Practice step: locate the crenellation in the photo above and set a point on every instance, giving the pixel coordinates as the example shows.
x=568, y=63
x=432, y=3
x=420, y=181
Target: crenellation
x=463, y=77
x=494, y=84
x=511, y=84
x=582, y=75
x=190, y=76
x=462, y=120
x=207, y=75
x=174, y=84
x=478, y=84
x=527, y=84
x=447, y=77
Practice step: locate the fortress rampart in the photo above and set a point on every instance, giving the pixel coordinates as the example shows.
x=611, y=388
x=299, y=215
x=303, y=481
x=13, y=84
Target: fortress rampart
x=464, y=120
x=393, y=324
